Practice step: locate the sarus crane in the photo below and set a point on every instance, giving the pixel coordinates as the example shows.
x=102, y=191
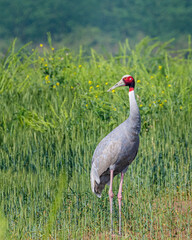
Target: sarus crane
x=117, y=150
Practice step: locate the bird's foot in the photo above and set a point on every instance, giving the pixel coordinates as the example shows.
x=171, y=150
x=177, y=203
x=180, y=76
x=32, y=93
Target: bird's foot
x=115, y=236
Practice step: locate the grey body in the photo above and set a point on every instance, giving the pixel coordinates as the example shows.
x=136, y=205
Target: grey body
x=117, y=150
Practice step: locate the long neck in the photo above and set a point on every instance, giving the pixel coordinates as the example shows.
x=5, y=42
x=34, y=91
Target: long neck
x=134, y=112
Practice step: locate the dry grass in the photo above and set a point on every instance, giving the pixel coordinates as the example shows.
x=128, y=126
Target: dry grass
x=172, y=219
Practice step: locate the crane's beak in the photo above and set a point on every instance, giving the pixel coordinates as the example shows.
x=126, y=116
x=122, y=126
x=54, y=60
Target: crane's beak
x=119, y=84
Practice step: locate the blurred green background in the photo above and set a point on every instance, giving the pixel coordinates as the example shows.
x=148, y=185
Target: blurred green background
x=55, y=109
x=94, y=23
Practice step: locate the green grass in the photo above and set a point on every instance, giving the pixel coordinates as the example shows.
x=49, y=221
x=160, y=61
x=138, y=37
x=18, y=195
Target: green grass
x=54, y=111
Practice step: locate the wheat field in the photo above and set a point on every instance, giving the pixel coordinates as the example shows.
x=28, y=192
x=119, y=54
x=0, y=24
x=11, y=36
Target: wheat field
x=55, y=109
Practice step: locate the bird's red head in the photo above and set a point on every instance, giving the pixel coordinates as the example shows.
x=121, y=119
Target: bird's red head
x=126, y=80
x=129, y=81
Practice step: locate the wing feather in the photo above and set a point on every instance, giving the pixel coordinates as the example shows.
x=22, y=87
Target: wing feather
x=106, y=156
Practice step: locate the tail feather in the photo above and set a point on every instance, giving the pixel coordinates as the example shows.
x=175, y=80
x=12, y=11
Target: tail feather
x=98, y=182
x=95, y=180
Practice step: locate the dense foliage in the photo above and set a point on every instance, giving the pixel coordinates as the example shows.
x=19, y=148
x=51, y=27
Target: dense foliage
x=54, y=111
x=94, y=22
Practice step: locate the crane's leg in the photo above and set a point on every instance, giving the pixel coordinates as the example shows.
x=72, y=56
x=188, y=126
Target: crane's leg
x=111, y=199
x=119, y=200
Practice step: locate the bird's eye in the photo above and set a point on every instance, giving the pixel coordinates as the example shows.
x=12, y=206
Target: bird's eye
x=128, y=80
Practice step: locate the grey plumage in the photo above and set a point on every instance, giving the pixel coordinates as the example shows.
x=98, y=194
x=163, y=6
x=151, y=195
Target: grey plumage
x=117, y=150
